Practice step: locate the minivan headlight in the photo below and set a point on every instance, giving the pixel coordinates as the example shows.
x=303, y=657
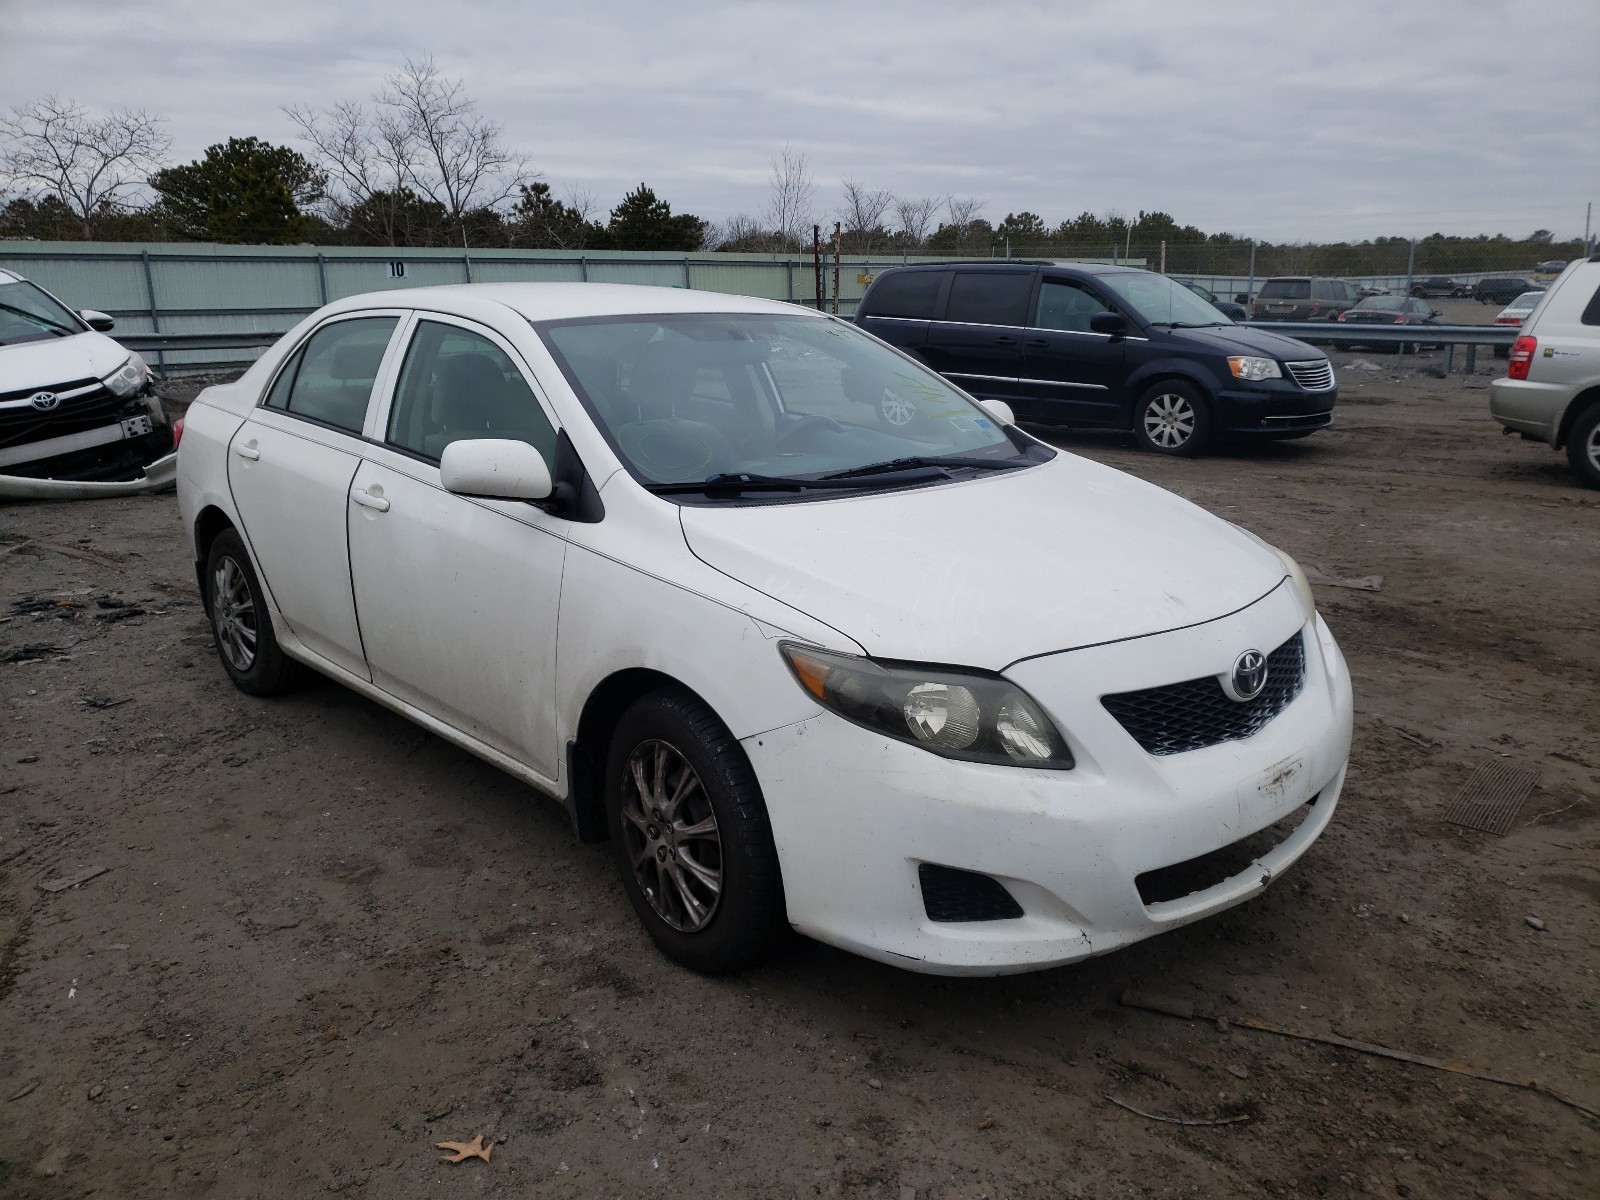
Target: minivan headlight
x=129, y=377
x=965, y=715
x=1245, y=366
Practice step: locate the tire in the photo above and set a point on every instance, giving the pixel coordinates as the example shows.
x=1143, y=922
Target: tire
x=1172, y=418
x=726, y=912
x=1418, y=292
x=240, y=624
x=1583, y=445
x=1502, y=351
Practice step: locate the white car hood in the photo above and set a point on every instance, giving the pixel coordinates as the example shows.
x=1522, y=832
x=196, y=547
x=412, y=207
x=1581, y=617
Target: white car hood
x=984, y=572
x=50, y=363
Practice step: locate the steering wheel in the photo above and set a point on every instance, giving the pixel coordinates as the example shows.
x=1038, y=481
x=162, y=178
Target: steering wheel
x=806, y=424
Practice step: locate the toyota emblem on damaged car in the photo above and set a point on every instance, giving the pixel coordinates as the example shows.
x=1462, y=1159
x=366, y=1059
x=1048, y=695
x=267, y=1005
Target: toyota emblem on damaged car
x=44, y=401
x=1248, y=677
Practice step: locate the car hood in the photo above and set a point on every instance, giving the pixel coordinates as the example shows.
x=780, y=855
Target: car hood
x=986, y=571
x=1236, y=339
x=60, y=360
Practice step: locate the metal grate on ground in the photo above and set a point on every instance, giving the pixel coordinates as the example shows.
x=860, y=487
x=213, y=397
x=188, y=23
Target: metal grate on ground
x=1492, y=797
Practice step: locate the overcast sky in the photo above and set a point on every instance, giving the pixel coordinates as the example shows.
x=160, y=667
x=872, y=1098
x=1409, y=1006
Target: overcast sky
x=1285, y=120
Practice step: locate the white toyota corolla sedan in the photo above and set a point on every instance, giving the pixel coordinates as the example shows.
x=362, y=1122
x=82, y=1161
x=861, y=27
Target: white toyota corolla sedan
x=816, y=640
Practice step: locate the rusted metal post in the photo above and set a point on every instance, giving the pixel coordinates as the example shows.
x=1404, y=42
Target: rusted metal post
x=816, y=260
x=838, y=242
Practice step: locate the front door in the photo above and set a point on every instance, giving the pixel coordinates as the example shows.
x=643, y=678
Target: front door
x=1071, y=375
x=289, y=467
x=457, y=597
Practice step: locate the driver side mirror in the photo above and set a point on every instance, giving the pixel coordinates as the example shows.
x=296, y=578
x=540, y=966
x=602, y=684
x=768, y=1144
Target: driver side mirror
x=1112, y=323
x=495, y=469
x=97, y=321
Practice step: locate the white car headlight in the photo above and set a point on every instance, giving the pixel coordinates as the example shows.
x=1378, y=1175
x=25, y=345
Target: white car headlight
x=129, y=377
x=1297, y=577
x=967, y=715
x=1245, y=366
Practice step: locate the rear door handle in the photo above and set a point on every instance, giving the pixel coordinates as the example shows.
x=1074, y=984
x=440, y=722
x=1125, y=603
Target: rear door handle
x=247, y=450
x=368, y=500
x=1005, y=341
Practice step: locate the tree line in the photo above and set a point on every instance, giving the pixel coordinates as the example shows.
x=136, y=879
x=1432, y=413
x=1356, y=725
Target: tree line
x=419, y=165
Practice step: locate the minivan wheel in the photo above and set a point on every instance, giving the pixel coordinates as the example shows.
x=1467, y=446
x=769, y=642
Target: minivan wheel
x=691, y=835
x=1583, y=445
x=1172, y=418
x=240, y=623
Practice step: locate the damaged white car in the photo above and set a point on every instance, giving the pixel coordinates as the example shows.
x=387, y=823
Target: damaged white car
x=78, y=414
x=917, y=685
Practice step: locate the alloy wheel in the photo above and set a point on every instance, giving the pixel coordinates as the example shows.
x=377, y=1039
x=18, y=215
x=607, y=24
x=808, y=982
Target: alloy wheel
x=1591, y=447
x=233, y=611
x=670, y=830
x=1169, y=420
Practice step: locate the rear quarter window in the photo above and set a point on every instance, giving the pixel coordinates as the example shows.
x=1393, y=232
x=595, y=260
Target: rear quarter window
x=1286, y=289
x=1591, y=313
x=909, y=294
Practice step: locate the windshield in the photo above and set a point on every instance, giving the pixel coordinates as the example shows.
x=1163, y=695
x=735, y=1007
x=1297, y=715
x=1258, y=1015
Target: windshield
x=691, y=397
x=1160, y=301
x=29, y=314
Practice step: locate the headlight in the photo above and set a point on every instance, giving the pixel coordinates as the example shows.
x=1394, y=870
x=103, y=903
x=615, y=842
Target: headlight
x=1297, y=577
x=1244, y=366
x=129, y=377
x=965, y=715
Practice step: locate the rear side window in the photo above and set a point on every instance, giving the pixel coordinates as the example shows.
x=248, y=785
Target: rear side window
x=1591, y=314
x=1322, y=289
x=1286, y=289
x=337, y=368
x=909, y=294
x=989, y=298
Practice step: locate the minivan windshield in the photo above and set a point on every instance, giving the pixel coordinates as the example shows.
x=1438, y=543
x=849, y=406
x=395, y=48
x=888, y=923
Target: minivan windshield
x=1161, y=301
x=29, y=314
x=695, y=397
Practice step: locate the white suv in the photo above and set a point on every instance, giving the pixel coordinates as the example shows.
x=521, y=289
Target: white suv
x=1551, y=392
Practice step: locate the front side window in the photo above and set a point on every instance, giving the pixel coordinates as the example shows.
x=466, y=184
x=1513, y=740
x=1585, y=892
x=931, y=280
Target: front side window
x=334, y=372
x=989, y=297
x=29, y=314
x=1066, y=305
x=457, y=384
x=686, y=397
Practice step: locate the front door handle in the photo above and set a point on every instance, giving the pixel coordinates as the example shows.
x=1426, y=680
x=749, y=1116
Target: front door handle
x=1037, y=343
x=368, y=500
x=247, y=450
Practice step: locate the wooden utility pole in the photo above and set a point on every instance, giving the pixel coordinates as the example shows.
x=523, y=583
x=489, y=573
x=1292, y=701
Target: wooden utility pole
x=816, y=260
x=838, y=242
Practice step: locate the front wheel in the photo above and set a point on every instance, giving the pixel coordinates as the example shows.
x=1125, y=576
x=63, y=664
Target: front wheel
x=1172, y=418
x=1583, y=446
x=691, y=836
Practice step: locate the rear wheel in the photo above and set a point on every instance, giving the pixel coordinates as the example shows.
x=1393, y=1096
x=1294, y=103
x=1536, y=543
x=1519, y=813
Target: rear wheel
x=240, y=623
x=1172, y=418
x=1583, y=445
x=691, y=835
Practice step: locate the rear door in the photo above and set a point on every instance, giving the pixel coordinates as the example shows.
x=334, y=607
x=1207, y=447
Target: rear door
x=1070, y=374
x=290, y=466
x=977, y=343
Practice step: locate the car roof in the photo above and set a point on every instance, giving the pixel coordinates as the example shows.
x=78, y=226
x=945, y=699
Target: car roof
x=560, y=301
x=1021, y=264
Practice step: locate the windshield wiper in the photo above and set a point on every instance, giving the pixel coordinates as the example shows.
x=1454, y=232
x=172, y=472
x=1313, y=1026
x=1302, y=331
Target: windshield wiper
x=941, y=461
x=745, y=482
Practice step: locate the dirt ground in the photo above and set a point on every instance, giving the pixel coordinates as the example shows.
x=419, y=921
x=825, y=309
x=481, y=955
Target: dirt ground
x=325, y=940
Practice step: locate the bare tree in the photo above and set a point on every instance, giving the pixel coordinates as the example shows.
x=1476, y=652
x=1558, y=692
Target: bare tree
x=367, y=157
x=460, y=159
x=790, y=206
x=740, y=233
x=916, y=216
x=861, y=214
x=55, y=147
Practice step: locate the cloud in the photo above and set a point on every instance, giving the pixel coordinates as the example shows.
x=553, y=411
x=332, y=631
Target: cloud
x=1294, y=120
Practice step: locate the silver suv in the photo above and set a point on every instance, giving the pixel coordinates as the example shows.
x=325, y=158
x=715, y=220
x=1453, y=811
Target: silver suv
x=1551, y=391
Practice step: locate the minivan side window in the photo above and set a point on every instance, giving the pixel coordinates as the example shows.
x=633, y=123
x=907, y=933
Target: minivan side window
x=908, y=294
x=338, y=367
x=1066, y=305
x=989, y=298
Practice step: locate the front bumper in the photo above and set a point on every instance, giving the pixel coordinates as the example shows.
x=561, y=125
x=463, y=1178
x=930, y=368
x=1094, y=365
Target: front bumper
x=1528, y=407
x=1273, y=410
x=855, y=815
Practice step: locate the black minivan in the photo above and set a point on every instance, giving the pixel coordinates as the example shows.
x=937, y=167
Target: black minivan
x=1102, y=347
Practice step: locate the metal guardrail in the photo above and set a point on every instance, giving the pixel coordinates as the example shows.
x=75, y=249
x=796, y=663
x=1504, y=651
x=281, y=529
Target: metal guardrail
x=247, y=339
x=1358, y=334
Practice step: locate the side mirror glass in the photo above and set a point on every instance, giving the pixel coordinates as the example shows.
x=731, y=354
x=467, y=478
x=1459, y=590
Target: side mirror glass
x=98, y=321
x=999, y=410
x=495, y=469
x=1109, y=322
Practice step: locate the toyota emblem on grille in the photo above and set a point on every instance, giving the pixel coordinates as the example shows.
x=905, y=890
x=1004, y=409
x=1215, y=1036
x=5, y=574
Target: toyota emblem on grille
x=44, y=401
x=1248, y=677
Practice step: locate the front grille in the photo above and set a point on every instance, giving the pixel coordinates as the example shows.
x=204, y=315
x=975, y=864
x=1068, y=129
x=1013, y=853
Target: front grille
x=1197, y=874
x=19, y=426
x=1315, y=375
x=70, y=385
x=949, y=894
x=1197, y=713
